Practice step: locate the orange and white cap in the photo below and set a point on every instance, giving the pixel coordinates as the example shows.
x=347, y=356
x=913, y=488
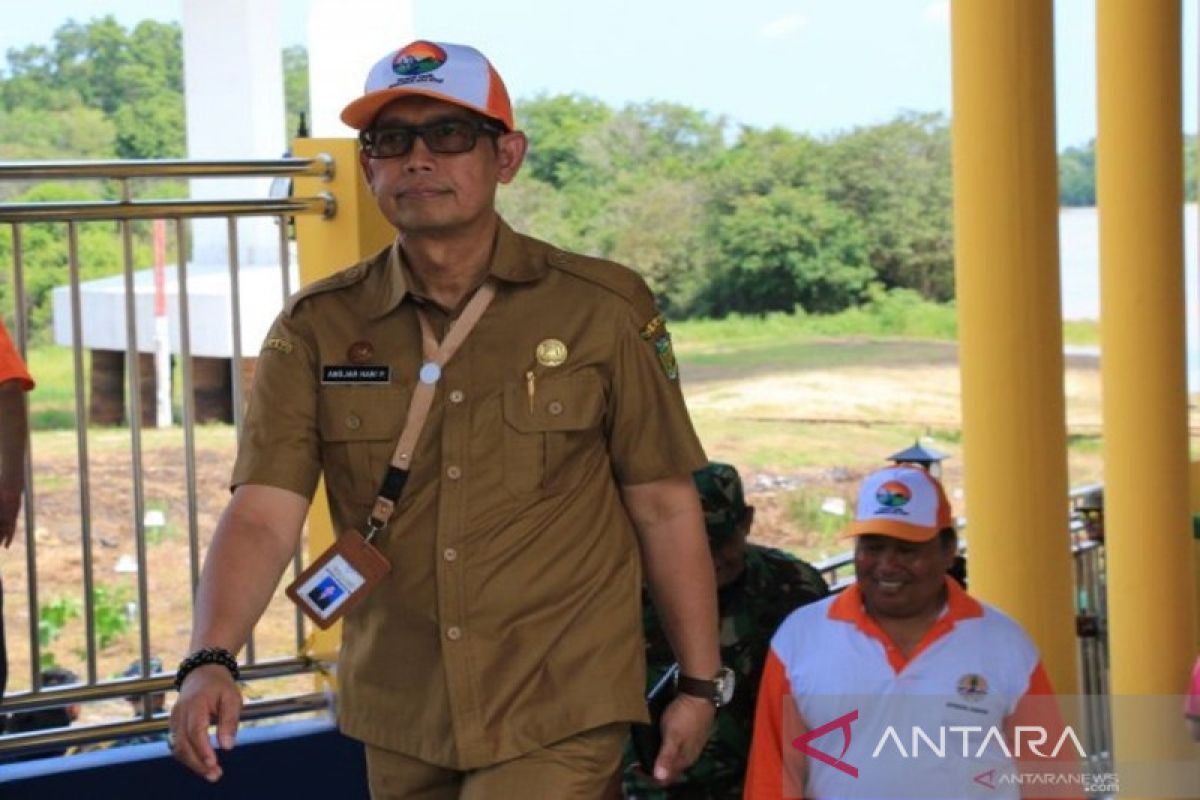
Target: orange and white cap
x=904, y=502
x=454, y=73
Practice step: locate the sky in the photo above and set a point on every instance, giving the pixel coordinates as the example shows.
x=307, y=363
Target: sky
x=815, y=66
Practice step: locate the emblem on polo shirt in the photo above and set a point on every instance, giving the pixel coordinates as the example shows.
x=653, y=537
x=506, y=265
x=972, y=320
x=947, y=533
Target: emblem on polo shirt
x=972, y=686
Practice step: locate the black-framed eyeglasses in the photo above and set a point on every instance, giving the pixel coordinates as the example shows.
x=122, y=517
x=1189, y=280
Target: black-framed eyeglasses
x=445, y=137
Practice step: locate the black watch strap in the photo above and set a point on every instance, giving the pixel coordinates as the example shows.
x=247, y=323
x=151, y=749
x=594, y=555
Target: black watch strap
x=716, y=691
x=697, y=687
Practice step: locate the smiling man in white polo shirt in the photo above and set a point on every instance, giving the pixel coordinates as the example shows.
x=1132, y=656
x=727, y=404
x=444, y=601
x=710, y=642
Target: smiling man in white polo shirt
x=902, y=686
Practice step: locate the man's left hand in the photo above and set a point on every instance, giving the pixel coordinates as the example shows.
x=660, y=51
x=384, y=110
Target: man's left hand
x=685, y=727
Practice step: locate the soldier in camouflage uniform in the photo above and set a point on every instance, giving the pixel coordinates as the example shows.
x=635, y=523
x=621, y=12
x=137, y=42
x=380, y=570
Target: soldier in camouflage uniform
x=757, y=588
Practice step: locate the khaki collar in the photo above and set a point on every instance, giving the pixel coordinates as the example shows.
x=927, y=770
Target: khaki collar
x=513, y=261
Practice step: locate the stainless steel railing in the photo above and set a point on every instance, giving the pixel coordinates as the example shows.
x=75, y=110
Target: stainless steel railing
x=124, y=212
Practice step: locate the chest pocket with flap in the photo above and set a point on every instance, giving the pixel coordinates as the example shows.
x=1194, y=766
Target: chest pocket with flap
x=543, y=442
x=359, y=428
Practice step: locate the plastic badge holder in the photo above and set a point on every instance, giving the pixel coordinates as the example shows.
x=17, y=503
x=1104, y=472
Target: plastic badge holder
x=338, y=580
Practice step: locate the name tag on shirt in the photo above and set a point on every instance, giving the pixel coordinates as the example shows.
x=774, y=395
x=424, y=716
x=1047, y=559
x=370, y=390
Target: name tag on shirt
x=355, y=373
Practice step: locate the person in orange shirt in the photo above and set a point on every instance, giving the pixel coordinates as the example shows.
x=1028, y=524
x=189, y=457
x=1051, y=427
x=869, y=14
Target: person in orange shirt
x=903, y=685
x=14, y=434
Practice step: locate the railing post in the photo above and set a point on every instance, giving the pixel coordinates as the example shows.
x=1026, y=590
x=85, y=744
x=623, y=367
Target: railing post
x=324, y=246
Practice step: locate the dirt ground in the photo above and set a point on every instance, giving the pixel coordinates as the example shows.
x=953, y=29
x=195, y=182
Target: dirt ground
x=925, y=394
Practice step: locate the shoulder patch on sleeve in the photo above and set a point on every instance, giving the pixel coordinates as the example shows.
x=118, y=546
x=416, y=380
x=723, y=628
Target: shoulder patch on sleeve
x=338, y=280
x=651, y=328
x=278, y=344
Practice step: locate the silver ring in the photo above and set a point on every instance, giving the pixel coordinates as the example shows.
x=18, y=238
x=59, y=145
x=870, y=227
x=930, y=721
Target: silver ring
x=170, y=740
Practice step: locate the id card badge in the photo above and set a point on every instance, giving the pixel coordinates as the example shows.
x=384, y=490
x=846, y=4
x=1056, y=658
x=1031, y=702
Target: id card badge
x=338, y=579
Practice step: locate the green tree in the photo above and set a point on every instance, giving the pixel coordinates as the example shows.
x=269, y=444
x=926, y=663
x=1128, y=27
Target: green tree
x=1077, y=175
x=895, y=180
x=556, y=126
x=45, y=254
x=135, y=77
x=762, y=160
x=32, y=134
x=789, y=249
x=295, y=88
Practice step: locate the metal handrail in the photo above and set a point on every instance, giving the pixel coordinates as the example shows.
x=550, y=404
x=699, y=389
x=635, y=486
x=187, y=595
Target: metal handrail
x=106, y=210
x=123, y=211
x=53, y=698
x=36, y=741
x=320, y=166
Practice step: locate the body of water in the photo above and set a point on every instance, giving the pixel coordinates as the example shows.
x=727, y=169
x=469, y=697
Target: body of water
x=1079, y=247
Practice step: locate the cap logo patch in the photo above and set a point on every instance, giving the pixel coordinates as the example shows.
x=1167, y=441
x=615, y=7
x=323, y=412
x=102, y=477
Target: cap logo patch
x=892, y=497
x=417, y=59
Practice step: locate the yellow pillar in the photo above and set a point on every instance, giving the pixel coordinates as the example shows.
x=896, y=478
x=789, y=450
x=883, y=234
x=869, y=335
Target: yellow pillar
x=324, y=246
x=356, y=230
x=1010, y=326
x=1147, y=525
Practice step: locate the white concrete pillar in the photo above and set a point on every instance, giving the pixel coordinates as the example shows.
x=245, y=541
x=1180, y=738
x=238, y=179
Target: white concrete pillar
x=345, y=38
x=233, y=81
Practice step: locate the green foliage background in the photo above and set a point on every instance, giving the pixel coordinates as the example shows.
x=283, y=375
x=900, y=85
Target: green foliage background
x=720, y=218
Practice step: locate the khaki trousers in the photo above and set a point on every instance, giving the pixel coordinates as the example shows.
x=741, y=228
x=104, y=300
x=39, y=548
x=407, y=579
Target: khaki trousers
x=579, y=767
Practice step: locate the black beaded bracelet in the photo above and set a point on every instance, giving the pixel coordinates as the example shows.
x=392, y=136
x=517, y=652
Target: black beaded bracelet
x=206, y=655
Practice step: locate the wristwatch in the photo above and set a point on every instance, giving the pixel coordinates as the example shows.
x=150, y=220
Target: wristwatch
x=718, y=691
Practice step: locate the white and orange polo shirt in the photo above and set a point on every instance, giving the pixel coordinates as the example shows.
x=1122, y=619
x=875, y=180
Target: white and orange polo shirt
x=843, y=714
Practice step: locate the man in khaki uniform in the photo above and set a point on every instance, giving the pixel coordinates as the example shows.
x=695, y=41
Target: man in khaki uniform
x=502, y=655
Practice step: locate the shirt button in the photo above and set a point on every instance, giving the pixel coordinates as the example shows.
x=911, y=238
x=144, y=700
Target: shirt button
x=456, y=396
x=454, y=633
x=353, y=422
x=453, y=472
x=555, y=407
x=450, y=554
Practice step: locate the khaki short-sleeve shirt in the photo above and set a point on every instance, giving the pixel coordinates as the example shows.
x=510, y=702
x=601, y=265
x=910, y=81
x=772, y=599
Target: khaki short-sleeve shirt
x=511, y=618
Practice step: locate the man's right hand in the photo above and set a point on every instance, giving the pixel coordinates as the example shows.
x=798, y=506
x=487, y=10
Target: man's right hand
x=209, y=694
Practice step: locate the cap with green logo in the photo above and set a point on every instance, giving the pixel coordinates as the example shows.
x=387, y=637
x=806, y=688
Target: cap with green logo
x=721, y=498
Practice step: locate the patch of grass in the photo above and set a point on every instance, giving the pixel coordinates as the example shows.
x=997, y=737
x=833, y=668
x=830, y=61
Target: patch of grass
x=157, y=534
x=1081, y=332
x=822, y=527
x=108, y=606
x=1085, y=442
x=897, y=313
x=52, y=401
x=945, y=435
x=787, y=446
x=53, y=616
